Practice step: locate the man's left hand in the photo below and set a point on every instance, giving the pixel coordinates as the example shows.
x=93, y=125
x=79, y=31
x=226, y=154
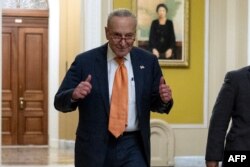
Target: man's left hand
x=165, y=91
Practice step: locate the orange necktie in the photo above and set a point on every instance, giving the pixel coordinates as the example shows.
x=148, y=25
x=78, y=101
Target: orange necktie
x=119, y=100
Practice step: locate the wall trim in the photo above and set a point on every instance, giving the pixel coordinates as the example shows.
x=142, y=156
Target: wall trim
x=92, y=23
x=53, y=82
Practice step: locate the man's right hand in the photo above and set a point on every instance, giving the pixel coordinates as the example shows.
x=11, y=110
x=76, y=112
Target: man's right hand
x=212, y=163
x=82, y=89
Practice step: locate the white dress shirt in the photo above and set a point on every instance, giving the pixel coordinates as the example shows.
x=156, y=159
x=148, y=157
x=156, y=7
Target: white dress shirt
x=112, y=66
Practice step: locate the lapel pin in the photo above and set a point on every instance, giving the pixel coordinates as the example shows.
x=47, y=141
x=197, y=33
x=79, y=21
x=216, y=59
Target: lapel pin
x=142, y=67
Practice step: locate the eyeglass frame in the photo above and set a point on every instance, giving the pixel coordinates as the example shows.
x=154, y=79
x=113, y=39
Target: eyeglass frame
x=117, y=37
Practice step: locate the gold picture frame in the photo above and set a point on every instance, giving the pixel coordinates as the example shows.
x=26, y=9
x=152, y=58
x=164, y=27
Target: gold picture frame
x=178, y=11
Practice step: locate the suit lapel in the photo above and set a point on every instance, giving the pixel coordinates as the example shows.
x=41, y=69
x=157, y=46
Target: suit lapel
x=102, y=75
x=138, y=66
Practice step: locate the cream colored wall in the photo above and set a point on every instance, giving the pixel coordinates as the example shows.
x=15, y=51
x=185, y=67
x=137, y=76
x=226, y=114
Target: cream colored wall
x=69, y=48
x=226, y=50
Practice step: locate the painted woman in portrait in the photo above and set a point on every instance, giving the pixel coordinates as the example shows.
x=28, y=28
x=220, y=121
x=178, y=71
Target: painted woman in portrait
x=162, y=35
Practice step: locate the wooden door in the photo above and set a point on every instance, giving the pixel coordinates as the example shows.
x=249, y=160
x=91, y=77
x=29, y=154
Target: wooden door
x=9, y=86
x=32, y=71
x=25, y=83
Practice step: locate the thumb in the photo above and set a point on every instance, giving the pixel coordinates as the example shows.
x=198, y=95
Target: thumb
x=162, y=80
x=88, y=79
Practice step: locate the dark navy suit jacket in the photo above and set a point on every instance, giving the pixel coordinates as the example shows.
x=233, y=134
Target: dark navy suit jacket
x=92, y=130
x=233, y=103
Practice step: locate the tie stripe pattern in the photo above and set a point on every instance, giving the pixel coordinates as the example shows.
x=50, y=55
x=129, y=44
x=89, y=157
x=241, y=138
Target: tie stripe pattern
x=119, y=100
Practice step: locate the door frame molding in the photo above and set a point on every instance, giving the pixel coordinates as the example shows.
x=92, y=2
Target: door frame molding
x=53, y=74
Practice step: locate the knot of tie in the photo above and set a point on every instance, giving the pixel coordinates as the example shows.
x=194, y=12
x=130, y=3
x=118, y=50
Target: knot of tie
x=119, y=60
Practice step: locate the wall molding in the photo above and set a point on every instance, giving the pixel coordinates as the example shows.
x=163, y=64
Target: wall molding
x=53, y=71
x=162, y=143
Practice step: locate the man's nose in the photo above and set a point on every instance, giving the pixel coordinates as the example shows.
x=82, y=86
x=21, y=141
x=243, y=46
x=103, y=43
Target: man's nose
x=123, y=41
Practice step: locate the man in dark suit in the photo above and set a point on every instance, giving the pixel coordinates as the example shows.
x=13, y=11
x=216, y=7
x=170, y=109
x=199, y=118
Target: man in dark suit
x=233, y=103
x=88, y=85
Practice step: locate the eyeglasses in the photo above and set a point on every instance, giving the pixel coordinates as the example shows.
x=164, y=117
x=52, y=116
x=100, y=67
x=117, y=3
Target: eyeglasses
x=129, y=38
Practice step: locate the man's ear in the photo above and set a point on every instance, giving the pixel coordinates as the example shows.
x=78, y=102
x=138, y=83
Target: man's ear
x=106, y=33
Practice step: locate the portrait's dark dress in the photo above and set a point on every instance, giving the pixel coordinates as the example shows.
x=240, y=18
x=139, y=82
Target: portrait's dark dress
x=162, y=37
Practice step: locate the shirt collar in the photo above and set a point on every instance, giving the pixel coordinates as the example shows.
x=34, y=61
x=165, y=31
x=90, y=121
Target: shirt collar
x=111, y=55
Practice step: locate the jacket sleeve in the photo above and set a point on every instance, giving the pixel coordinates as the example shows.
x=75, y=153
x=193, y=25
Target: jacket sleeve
x=157, y=105
x=63, y=98
x=220, y=119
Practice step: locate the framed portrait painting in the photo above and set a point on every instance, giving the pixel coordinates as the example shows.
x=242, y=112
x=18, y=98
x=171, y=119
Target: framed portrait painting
x=163, y=29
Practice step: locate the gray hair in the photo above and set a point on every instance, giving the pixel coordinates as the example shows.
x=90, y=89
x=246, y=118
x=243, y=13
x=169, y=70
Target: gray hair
x=121, y=12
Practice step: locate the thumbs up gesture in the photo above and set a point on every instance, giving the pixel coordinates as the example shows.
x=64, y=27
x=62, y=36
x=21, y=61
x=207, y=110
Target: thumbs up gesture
x=82, y=89
x=165, y=91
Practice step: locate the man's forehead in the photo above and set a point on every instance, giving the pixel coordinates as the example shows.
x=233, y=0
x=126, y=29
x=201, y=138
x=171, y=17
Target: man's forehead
x=121, y=19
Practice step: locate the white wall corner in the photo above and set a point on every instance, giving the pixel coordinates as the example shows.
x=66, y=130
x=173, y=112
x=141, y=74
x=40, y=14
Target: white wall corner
x=92, y=24
x=53, y=80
